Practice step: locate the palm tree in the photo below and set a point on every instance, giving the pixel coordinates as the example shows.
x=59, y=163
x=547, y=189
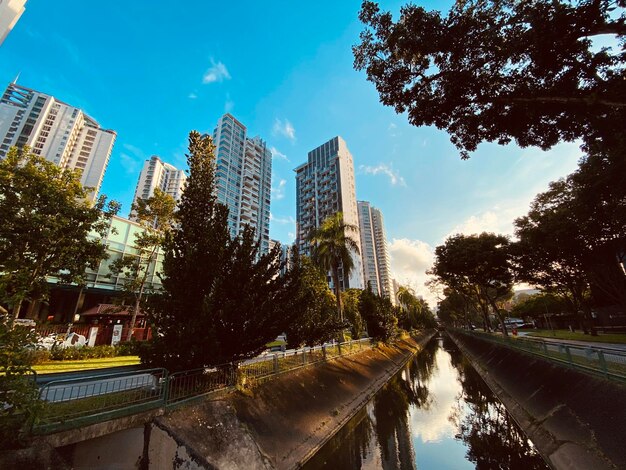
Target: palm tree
x=332, y=247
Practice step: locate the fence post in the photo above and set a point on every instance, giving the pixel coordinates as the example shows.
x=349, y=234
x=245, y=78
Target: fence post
x=338, y=348
x=166, y=385
x=324, y=351
x=304, y=356
x=275, y=358
x=569, y=355
x=603, y=363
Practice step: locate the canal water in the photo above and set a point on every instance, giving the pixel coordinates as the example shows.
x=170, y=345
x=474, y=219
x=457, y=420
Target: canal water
x=435, y=414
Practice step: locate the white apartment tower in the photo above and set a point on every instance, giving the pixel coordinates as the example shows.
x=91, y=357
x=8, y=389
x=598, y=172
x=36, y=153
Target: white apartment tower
x=158, y=174
x=376, y=267
x=10, y=12
x=243, y=178
x=57, y=131
x=324, y=186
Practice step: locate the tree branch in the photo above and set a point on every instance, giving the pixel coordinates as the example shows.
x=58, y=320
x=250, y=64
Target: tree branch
x=567, y=100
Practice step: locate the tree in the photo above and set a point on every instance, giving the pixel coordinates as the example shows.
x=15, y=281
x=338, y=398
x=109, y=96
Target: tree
x=500, y=70
x=548, y=254
x=222, y=299
x=377, y=312
x=314, y=303
x=456, y=308
x=574, y=236
x=156, y=216
x=19, y=393
x=538, y=305
x=46, y=219
x=350, y=300
x=477, y=266
x=333, y=248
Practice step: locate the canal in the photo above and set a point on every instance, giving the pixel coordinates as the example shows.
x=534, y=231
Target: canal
x=435, y=414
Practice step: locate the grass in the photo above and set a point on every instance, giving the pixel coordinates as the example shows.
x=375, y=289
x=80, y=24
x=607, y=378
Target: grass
x=52, y=367
x=580, y=336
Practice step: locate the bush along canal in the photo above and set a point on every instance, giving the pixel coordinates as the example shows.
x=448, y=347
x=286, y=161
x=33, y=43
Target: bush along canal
x=435, y=414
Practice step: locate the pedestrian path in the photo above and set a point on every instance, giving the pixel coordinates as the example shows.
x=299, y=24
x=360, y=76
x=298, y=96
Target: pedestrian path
x=593, y=344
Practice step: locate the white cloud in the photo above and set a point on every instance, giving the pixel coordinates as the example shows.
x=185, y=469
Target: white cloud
x=278, y=192
x=216, y=73
x=282, y=220
x=394, y=177
x=130, y=164
x=393, y=129
x=229, y=104
x=284, y=128
x=137, y=152
x=410, y=259
x=192, y=96
x=475, y=224
x=278, y=154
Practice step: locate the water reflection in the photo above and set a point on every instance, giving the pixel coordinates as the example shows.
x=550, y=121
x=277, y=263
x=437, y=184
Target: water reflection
x=437, y=413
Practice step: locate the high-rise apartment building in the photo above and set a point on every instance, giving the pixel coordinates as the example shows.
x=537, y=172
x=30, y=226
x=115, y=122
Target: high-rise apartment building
x=158, y=174
x=57, y=131
x=376, y=267
x=368, y=248
x=395, y=287
x=10, y=12
x=324, y=186
x=243, y=178
x=382, y=253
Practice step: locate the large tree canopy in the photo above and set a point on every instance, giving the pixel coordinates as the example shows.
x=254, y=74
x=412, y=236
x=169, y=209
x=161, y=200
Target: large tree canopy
x=500, y=70
x=222, y=299
x=45, y=220
x=478, y=267
x=575, y=233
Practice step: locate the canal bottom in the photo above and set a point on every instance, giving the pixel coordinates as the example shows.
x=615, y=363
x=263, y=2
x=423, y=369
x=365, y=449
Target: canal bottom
x=435, y=414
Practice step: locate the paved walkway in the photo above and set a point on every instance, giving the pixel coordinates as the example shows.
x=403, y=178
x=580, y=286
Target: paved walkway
x=593, y=344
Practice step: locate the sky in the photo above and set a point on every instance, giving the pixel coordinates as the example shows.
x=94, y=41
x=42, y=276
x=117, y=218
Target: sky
x=153, y=70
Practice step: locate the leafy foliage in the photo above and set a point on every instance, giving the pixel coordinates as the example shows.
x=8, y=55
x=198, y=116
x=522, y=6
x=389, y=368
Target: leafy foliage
x=19, y=394
x=222, y=299
x=333, y=248
x=350, y=299
x=46, y=220
x=414, y=312
x=377, y=312
x=477, y=266
x=156, y=216
x=540, y=304
x=500, y=70
x=316, y=320
x=574, y=236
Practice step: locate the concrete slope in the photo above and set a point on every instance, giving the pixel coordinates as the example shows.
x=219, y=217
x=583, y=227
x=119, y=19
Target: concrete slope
x=281, y=422
x=576, y=420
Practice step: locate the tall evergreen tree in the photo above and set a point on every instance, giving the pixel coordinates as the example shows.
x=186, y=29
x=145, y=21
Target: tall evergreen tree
x=222, y=300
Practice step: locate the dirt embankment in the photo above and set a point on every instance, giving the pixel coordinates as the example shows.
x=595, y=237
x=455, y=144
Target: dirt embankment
x=576, y=421
x=281, y=422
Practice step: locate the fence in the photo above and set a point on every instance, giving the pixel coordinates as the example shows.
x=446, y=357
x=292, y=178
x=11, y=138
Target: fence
x=78, y=402
x=103, y=336
x=610, y=363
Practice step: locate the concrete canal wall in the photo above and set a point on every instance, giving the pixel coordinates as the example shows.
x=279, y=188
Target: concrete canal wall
x=576, y=420
x=279, y=423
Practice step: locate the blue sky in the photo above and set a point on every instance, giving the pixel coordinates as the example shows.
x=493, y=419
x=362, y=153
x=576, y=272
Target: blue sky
x=154, y=70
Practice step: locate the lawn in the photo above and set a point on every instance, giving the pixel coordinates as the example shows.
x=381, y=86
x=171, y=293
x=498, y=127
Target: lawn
x=69, y=366
x=580, y=336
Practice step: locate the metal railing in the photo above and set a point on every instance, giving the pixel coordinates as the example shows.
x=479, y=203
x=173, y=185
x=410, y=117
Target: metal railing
x=72, y=403
x=607, y=362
